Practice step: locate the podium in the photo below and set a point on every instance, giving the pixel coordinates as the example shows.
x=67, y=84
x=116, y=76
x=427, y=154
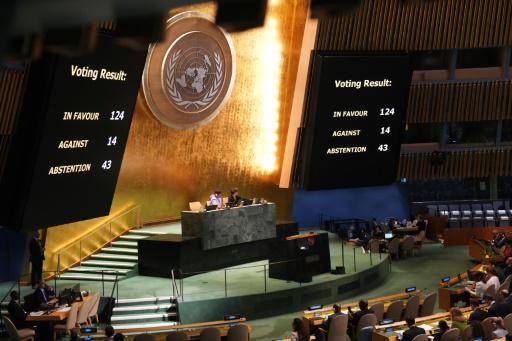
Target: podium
x=300, y=257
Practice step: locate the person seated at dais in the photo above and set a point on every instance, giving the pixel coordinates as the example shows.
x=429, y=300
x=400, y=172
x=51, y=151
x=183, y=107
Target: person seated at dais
x=480, y=285
x=216, y=199
x=234, y=199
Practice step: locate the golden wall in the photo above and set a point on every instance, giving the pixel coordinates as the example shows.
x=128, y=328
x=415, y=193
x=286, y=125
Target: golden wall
x=164, y=169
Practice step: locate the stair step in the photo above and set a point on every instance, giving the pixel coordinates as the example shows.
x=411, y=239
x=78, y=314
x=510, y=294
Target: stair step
x=125, y=244
x=146, y=232
x=142, y=301
x=139, y=317
x=107, y=263
x=115, y=257
x=88, y=277
x=120, y=250
x=149, y=307
x=142, y=325
x=108, y=271
x=132, y=237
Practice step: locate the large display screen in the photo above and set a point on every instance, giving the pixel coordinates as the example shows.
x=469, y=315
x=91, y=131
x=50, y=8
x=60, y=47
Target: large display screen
x=354, y=120
x=72, y=135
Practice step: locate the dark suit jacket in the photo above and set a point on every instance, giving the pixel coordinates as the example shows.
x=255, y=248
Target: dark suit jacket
x=478, y=315
x=234, y=201
x=500, y=310
x=412, y=332
x=36, y=251
x=40, y=298
x=17, y=313
x=357, y=316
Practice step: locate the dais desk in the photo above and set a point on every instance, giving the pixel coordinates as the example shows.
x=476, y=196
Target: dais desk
x=231, y=226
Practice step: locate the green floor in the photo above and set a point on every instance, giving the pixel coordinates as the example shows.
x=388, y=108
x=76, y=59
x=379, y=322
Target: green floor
x=423, y=271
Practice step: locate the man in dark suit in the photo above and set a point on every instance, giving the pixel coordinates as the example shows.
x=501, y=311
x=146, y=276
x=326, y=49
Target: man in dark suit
x=353, y=318
x=36, y=258
x=413, y=330
x=43, y=295
x=234, y=200
x=16, y=311
x=478, y=314
x=337, y=312
x=501, y=309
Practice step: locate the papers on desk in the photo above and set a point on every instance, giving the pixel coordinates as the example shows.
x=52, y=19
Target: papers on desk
x=426, y=327
x=37, y=313
x=64, y=309
x=400, y=333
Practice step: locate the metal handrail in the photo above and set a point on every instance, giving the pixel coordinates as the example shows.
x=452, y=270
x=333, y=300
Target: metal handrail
x=109, y=221
x=175, y=291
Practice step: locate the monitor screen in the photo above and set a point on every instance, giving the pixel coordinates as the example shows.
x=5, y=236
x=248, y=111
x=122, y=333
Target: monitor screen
x=445, y=279
x=410, y=289
x=67, y=151
x=354, y=120
x=315, y=307
x=388, y=235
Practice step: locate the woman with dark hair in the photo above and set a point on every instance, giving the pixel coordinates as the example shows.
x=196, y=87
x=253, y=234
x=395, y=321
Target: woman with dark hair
x=443, y=328
x=298, y=330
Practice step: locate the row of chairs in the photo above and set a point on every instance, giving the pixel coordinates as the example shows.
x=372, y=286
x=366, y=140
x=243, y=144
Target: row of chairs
x=488, y=221
x=78, y=317
x=410, y=244
x=239, y=332
x=495, y=209
x=396, y=311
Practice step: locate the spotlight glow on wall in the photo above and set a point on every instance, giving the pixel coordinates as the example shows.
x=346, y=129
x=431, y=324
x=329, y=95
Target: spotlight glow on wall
x=269, y=73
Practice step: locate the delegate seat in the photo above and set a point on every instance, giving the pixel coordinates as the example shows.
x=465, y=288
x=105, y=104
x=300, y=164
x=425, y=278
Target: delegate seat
x=503, y=221
x=338, y=328
x=378, y=310
x=478, y=222
x=210, y=334
x=443, y=210
x=466, y=210
x=488, y=210
x=177, y=336
x=368, y=320
x=477, y=210
x=240, y=332
x=490, y=222
x=454, y=222
x=427, y=308
x=466, y=222
x=451, y=335
x=394, y=311
x=18, y=334
x=454, y=210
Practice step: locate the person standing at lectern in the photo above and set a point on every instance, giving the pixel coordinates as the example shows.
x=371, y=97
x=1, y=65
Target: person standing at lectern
x=216, y=199
x=36, y=258
x=234, y=199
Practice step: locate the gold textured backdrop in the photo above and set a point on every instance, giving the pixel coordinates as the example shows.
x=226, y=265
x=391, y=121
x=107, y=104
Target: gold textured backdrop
x=164, y=169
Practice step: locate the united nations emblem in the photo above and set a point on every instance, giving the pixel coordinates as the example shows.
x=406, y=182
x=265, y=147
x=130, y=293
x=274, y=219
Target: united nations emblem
x=189, y=76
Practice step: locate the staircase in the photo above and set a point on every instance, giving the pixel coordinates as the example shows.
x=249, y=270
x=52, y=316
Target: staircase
x=148, y=312
x=121, y=256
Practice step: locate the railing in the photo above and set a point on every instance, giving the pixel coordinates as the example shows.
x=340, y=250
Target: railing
x=254, y=279
x=93, y=241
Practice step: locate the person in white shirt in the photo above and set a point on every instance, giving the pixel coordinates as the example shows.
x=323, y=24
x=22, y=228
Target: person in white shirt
x=492, y=279
x=216, y=198
x=480, y=285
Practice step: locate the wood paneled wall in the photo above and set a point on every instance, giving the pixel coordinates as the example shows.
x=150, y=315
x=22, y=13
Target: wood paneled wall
x=12, y=86
x=460, y=102
x=418, y=25
x=458, y=164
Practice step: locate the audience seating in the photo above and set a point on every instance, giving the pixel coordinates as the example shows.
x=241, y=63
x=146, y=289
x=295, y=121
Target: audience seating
x=21, y=334
x=451, y=335
x=408, y=246
x=421, y=337
x=210, y=334
x=394, y=248
x=378, y=310
x=240, y=332
x=394, y=311
x=338, y=328
x=507, y=323
x=427, y=308
x=477, y=214
x=467, y=334
x=177, y=336
x=411, y=307
x=365, y=334
x=487, y=326
x=368, y=320
x=144, y=337
x=71, y=322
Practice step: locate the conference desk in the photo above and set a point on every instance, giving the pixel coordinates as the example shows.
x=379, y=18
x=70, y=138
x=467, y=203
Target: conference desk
x=393, y=331
x=454, y=290
x=193, y=330
x=231, y=226
x=55, y=314
x=317, y=316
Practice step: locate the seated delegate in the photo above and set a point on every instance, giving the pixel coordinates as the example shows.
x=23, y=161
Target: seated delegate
x=413, y=330
x=16, y=312
x=216, y=199
x=43, y=295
